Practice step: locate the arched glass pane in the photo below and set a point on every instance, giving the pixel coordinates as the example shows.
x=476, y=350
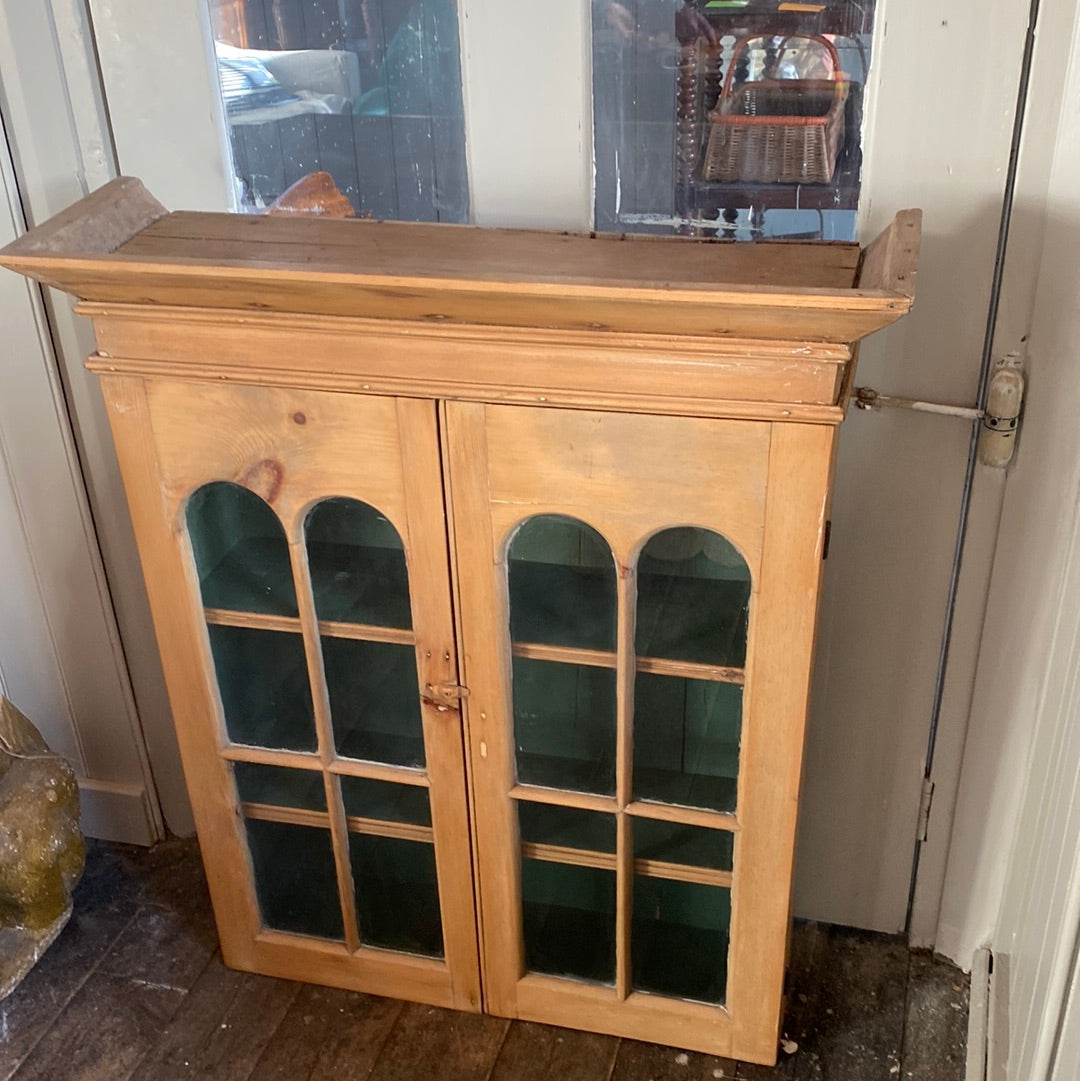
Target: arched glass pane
x=359, y=576
x=693, y=598
x=357, y=565
x=562, y=614
x=240, y=551
x=693, y=606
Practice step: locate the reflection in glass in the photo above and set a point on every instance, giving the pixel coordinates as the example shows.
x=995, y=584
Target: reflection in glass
x=679, y=939
x=295, y=878
x=386, y=801
x=693, y=598
x=564, y=725
x=367, y=90
x=374, y=701
x=280, y=787
x=686, y=741
x=240, y=551
x=675, y=842
x=568, y=916
x=562, y=584
x=357, y=565
x=397, y=896
x=566, y=827
x=659, y=71
x=263, y=682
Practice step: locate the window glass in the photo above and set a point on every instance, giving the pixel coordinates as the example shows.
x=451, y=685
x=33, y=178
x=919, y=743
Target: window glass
x=368, y=91
x=733, y=118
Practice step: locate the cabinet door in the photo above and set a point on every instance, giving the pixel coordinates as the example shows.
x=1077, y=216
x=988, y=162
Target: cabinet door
x=637, y=598
x=294, y=546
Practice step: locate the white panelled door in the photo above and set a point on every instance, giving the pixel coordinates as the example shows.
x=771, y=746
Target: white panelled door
x=939, y=122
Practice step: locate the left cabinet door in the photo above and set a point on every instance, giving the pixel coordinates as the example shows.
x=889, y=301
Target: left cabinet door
x=294, y=545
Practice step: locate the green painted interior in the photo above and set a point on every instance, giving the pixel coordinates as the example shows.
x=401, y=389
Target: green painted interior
x=397, y=896
x=679, y=939
x=386, y=801
x=676, y=842
x=568, y=918
x=567, y=827
x=240, y=551
x=374, y=701
x=280, y=787
x=263, y=682
x=295, y=878
x=357, y=564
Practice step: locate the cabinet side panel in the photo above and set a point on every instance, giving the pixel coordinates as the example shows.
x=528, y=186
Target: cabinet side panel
x=777, y=687
x=181, y=638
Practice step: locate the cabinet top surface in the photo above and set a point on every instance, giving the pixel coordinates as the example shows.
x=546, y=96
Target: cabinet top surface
x=120, y=245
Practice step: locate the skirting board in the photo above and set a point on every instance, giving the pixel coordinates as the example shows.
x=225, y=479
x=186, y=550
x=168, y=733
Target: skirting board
x=113, y=811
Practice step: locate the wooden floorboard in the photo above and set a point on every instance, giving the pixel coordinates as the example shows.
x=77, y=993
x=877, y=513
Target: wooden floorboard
x=428, y=1042
x=134, y=990
x=328, y=1035
x=533, y=1052
x=650, y=1062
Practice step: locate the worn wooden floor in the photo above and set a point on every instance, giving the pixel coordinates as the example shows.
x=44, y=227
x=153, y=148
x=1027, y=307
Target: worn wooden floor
x=134, y=990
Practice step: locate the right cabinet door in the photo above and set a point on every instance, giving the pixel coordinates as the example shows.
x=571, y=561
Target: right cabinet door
x=637, y=598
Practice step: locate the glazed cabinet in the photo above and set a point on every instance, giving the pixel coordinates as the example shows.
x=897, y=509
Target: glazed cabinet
x=484, y=568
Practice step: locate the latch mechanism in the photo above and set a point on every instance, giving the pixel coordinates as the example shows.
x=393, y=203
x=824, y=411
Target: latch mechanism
x=444, y=696
x=1000, y=419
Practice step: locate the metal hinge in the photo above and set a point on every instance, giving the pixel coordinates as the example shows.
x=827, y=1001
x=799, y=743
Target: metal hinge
x=924, y=809
x=445, y=696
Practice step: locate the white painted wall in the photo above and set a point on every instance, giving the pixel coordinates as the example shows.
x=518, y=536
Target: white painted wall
x=60, y=657
x=527, y=87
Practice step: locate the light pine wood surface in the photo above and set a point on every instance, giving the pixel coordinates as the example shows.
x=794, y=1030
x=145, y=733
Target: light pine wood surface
x=461, y=382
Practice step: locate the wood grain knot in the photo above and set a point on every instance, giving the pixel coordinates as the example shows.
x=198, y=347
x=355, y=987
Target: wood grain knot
x=265, y=479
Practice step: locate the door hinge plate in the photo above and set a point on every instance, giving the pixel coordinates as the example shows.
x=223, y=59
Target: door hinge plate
x=925, y=801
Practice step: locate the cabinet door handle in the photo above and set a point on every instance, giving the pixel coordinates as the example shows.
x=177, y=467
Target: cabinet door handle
x=445, y=696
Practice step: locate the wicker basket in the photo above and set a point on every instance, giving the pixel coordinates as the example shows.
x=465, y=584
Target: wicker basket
x=786, y=131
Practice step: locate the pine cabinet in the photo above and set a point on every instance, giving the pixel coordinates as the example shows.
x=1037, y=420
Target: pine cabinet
x=484, y=568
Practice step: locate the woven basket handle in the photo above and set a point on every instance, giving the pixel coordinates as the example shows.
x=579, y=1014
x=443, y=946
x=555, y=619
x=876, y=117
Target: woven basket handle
x=825, y=43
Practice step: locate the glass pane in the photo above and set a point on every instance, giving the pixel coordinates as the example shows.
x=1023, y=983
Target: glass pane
x=686, y=741
x=397, y=896
x=679, y=939
x=564, y=725
x=693, y=598
x=566, y=827
x=280, y=787
x=562, y=585
x=366, y=90
x=674, y=84
x=240, y=551
x=568, y=916
x=357, y=565
x=386, y=801
x=374, y=701
x=674, y=842
x=295, y=879
x=263, y=681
